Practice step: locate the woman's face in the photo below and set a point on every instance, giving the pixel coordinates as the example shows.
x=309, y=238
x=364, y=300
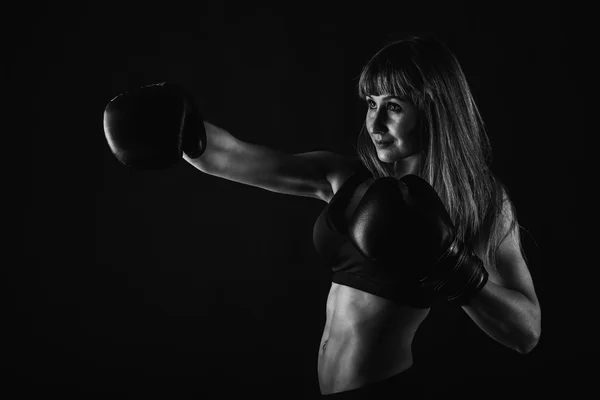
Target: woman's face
x=391, y=124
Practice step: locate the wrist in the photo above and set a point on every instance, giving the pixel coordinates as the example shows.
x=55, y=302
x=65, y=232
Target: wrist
x=193, y=130
x=465, y=274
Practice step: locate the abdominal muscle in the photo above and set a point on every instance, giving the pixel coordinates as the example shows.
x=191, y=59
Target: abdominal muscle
x=366, y=339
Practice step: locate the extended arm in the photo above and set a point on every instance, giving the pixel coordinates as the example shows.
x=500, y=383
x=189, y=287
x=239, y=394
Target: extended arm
x=310, y=174
x=155, y=126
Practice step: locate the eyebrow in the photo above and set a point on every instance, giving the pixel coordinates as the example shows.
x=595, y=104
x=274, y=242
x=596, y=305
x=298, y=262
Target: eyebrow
x=390, y=97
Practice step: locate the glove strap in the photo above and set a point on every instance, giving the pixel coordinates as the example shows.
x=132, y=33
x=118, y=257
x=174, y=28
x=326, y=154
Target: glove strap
x=193, y=140
x=467, y=275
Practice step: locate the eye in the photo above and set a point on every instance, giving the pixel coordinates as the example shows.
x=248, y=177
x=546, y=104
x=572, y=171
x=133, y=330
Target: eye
x=394, y=107
x=371, y=104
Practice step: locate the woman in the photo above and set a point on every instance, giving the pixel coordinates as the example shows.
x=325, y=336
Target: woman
x=421, y=121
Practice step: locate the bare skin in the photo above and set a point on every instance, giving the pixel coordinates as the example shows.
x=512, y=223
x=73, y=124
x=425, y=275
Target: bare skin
x=367, y=338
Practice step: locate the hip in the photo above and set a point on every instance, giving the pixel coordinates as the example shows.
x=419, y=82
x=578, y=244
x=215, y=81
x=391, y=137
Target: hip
x=349, y=363
x=366, y=339
x=405, y=384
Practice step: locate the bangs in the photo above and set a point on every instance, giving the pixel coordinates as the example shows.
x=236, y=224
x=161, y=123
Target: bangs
x=380, y=77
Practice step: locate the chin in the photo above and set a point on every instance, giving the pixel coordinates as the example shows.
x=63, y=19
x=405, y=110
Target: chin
x=389, y=157
x=387, y=160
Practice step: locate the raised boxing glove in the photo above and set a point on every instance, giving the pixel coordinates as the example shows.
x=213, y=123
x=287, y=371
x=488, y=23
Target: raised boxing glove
x=150, y=127
x=402, y=223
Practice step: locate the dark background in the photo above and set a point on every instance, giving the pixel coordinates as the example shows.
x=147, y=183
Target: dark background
x=181, y=284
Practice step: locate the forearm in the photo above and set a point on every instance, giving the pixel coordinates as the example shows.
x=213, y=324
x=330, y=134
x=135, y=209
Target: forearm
x=506, y=316
x=219, y=145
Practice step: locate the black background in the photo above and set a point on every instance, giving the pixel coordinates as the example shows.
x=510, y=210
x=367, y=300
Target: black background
x=181, y=284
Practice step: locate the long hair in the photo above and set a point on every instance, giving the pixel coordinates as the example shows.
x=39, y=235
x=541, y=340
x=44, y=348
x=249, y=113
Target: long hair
x=455, y=149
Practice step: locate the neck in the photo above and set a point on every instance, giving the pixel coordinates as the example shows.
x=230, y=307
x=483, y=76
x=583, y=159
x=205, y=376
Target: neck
x=407, y=166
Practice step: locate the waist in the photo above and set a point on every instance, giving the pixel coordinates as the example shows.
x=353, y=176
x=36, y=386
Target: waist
x=353, y=360
x=366, y=339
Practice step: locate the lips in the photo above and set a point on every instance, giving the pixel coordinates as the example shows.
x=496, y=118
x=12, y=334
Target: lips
x=382, y=143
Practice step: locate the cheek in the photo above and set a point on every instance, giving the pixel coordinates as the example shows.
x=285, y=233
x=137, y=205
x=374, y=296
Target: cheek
x=406, y=126
x=368, y=120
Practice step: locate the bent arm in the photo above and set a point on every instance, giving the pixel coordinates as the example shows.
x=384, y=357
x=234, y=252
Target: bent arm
x=507, y=308
x=306, y=174
x=507, y=316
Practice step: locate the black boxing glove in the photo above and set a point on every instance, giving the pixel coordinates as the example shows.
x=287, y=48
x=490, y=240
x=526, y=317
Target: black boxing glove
x=404, y=224
x=152, y=126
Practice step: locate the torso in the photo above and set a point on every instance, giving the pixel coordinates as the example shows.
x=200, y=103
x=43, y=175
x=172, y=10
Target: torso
x=366, y=338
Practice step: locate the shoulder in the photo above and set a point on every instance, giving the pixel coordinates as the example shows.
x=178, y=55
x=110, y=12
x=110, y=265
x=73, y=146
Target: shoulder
x=507, y=219
x=499, y=221
x=502, y=230
x=510, y=267
x=340, y=169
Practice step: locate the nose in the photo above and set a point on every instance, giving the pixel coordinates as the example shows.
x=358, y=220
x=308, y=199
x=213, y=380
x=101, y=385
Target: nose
x=376, y=121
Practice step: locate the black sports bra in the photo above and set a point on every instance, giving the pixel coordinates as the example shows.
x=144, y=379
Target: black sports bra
x=349, y=267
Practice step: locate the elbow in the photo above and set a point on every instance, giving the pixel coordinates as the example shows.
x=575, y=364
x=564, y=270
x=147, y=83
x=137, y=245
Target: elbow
x=531, y=335
x=526, y=349
x=529, y=343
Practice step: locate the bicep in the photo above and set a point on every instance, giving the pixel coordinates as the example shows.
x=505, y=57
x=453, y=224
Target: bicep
x=304, y=174
x=511, y=270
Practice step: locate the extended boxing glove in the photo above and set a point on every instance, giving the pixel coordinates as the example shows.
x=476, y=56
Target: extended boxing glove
x=402, y=223
x=150, y=127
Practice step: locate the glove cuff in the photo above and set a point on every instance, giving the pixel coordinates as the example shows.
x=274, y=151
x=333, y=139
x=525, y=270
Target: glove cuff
x=193, y=140
x=467, y=274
